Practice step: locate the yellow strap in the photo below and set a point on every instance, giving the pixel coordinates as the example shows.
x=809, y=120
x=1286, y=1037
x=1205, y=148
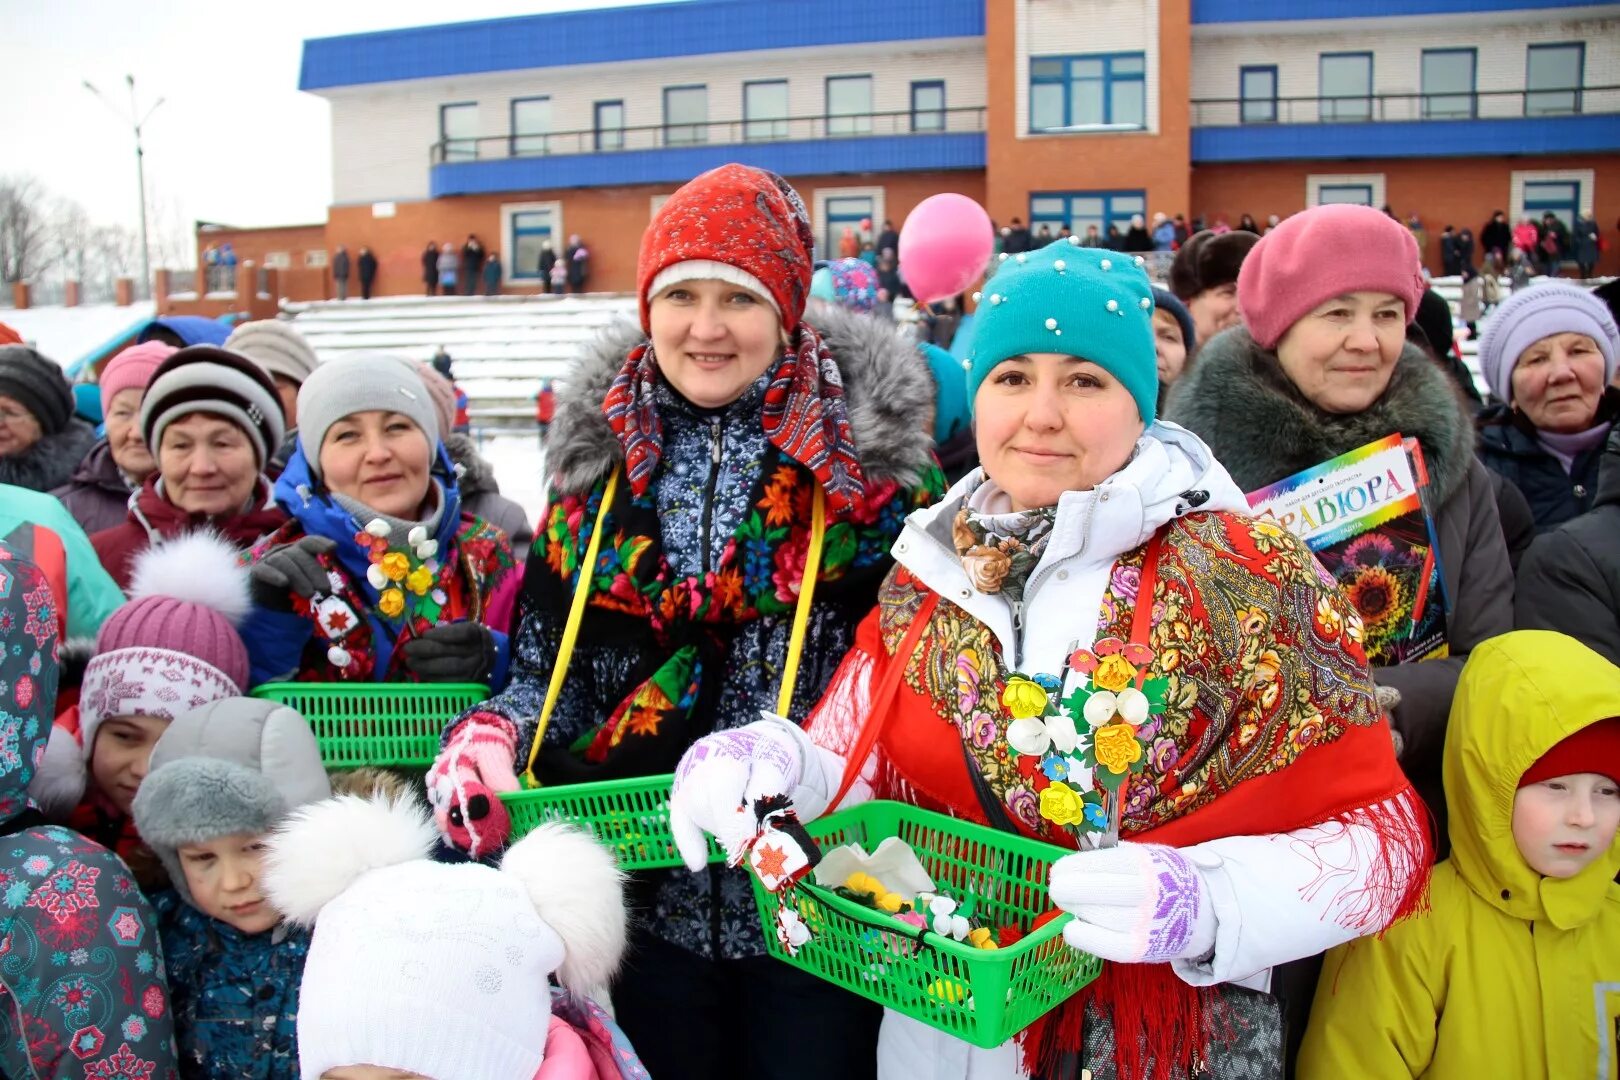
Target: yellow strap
x=801, y=614
x=576, y=613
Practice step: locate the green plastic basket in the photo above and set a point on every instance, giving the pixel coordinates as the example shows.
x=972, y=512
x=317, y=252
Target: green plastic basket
x=984, y=997
x=629, y=816
x=383, y=725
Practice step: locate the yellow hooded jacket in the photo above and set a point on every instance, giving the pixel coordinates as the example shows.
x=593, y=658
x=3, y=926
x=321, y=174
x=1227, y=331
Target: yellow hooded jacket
x=1509, y=973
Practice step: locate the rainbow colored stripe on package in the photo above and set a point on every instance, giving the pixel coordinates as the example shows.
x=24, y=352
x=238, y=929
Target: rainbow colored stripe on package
x=1338, y=499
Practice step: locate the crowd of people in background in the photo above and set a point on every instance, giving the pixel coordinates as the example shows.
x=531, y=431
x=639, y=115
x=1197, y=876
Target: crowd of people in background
x=225, y=510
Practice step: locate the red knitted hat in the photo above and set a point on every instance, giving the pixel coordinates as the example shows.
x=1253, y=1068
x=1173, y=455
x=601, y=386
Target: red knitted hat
x=738, y=218
x=1321, y=253
x=1594, y=749
x=8, y=336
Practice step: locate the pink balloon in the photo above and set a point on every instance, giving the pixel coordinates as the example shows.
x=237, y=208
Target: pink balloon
x=945, y=245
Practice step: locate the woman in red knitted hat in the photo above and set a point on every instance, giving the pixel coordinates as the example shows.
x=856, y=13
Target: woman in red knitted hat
x=720, y=421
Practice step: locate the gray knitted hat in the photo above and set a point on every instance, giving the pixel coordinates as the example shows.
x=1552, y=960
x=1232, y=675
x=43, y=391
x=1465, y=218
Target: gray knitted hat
x=208, y=379
x=237, y=765
x=38, y=385
x=276, y=347
x=367, y=383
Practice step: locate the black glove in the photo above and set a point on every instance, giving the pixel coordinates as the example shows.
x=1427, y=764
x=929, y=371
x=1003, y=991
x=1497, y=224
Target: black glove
x=291, y=570
x=454, y=652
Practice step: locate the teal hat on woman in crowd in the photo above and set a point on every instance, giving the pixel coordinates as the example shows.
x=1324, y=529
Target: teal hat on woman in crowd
x=1087, y=302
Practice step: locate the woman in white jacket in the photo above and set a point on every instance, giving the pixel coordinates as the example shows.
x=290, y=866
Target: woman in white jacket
x=1264, y=817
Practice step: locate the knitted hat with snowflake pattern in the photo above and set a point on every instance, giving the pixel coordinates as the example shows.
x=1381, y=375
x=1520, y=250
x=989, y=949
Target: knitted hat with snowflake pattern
x=455, y=958
x=737, y=224
x=172, y=648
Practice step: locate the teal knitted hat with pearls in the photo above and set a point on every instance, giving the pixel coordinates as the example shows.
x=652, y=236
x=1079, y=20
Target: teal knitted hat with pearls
x=1087, y=302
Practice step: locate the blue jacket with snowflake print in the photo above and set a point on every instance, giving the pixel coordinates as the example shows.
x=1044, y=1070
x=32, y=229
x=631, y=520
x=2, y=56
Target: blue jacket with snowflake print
x=235, y=995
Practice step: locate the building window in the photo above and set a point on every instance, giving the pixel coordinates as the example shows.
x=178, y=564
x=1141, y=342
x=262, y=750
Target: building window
x=1552, y=79
x=609, y=125
x=1356, y=189
x=686, y=115
x=458, y=131
x=928, y=106
x=1561, y=198
x=1448, y=84
x=1345, y=86
x=531, y=123
x=277, y=260
x=1257, y=87
x=315, y=260
x=849, y=105
x=1351, y=194
x=765, y=110
x=1081, y=209
x=1087, y=91
x=529, y=228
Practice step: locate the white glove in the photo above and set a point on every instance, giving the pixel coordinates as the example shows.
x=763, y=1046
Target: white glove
x=1135, y=904
x=721, y=775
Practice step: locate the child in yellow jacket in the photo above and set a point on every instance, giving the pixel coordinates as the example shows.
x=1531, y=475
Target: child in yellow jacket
x=1515, y=970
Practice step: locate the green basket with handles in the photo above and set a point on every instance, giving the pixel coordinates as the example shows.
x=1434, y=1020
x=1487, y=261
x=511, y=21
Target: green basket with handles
x=382, y=725
x=629, y=816
x=982, y=996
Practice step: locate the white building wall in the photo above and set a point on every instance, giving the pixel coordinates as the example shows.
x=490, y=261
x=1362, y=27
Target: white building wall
x=1220, y=52
x=1080, y=27
x=382, y=136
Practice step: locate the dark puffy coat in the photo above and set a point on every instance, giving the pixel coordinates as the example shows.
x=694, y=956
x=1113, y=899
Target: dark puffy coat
x=1570, y=580
x=1507, y=444
x=1262, y=429
x=97, y=495
x=235, y=995
x=49, y=462
x=152, y=518
x=481, y=495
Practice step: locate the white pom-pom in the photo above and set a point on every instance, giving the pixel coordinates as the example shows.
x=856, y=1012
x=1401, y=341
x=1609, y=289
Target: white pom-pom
x=339, y=656
x=579, y=891
x=321, y=849
x=198, y=567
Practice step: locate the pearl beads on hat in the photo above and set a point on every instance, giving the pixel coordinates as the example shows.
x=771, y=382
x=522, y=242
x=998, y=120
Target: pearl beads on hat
x=1113, y=305
x=995, y=298
x=1060, y=266
x=1146, y=303
x=1051, y=324
x=1106, y=264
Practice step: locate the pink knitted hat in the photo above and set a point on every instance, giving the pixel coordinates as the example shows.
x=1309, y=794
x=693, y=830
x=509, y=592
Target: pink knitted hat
x=443, y=394
x=1321, y=253
x=132, y=369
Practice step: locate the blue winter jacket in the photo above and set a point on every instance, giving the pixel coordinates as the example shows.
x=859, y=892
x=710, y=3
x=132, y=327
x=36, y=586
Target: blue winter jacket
x=234, y=995
x=276, y=639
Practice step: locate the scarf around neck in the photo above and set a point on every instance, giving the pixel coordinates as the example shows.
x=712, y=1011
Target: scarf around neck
x=398, y=528
x=1000, y=547
x=1566, y=448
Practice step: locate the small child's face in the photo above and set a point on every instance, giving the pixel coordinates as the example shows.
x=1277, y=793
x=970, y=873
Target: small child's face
x=121, y=754
x=1562, y=825
x=370, y=1072
x=223, y=876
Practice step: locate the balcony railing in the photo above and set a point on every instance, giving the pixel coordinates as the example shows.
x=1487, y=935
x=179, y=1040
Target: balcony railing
x=1399, y=108
x=713, y=132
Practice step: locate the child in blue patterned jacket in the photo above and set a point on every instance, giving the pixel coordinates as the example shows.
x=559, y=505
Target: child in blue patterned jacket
x=222, y=777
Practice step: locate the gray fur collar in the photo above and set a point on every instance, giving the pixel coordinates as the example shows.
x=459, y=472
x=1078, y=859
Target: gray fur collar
x=1237, y=399
x=888, y=391
x=50, y=462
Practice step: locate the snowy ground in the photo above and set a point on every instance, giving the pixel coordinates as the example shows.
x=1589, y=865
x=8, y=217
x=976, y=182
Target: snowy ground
x=70, y=335
x=519, y=467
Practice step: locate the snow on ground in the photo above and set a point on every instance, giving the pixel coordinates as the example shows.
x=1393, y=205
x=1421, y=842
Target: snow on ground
x=520, y=467
x=72, y=335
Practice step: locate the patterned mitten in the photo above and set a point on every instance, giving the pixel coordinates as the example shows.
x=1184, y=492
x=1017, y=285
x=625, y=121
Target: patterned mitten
x=1135, y=904
x=719, y=778
x=466, y=780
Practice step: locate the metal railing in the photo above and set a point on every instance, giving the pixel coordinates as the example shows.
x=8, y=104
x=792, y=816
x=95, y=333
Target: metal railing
x=713, y=132
x=1385, y=108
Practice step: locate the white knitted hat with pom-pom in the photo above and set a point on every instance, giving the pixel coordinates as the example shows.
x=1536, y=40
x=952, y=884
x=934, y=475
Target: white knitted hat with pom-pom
x=433, y=968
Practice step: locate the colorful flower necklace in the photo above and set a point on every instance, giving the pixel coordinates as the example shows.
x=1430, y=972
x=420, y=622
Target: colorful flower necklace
x=397, y=573
x=1084, y=746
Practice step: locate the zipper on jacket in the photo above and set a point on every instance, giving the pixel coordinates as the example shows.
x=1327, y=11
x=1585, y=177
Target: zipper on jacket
x=708, y=490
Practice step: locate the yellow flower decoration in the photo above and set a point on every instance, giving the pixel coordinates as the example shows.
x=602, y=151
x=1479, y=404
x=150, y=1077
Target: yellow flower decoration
x=391, y=603
x=1117, y=749
x=1062, y=805
x=1024, y=698
x=420, y=581
x=1114, y=673
x=395, y=565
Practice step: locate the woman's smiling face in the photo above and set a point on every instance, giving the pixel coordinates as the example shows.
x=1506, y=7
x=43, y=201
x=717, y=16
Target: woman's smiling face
x=1047, y=423
x=713, y=339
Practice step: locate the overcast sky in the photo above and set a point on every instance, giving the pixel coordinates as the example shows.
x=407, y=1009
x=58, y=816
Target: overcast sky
x=234, y=141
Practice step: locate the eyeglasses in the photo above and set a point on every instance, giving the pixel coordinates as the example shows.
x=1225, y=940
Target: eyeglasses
x=14, y=416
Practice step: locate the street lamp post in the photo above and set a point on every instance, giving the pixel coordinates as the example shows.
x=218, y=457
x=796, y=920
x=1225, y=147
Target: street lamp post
x=136, y=122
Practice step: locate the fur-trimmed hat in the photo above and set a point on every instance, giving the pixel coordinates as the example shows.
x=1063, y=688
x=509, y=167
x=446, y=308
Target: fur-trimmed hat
x=209, y=379
x=172, y=648
x=236, y=765
x=1209, y=260
x=737, y=224
x=456, y=956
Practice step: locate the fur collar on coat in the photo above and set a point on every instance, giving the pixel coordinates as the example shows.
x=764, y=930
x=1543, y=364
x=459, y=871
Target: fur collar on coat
x=1262, y=428
x=50, y=462
x=888, y=393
